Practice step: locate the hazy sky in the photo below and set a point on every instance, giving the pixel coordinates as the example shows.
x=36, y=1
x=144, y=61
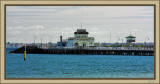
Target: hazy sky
x=24, y=22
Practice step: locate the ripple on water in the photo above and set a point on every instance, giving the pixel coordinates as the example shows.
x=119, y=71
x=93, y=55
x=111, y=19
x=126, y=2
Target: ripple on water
x=78, y=66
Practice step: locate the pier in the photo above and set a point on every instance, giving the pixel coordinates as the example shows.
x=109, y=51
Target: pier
x=89, y=51
x=100, y=52
x=83, y=44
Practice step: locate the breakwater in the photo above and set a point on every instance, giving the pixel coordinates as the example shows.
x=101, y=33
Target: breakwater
x=36, y=50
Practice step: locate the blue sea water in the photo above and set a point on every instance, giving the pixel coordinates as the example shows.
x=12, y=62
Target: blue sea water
x=78, y=66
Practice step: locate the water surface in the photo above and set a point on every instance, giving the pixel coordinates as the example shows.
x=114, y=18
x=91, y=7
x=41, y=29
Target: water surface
x=78, y=66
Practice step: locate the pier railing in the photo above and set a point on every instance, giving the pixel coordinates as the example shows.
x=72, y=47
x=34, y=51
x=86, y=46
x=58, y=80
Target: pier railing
x=102, y=48
x=134, y=51
x=121, y=48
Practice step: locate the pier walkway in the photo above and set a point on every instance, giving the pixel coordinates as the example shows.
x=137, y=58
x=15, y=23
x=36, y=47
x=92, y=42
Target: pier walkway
x=88, y=51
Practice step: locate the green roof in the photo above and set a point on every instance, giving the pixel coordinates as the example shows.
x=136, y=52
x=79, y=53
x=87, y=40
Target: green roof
x=130, y=36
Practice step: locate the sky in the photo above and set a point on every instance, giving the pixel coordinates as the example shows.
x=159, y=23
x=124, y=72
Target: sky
x=104, y=23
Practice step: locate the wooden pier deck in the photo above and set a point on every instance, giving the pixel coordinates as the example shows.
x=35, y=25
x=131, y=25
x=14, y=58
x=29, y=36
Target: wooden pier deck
x=36, y=50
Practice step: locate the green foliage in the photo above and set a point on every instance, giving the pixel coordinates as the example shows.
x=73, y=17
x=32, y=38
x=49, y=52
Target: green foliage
x=120, y=45
x=137, y=45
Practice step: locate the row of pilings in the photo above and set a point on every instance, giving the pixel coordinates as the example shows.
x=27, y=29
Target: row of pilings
x=36, y=50
x=100, y=52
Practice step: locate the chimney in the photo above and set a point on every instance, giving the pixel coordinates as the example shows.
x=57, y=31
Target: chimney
x=60, y=38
